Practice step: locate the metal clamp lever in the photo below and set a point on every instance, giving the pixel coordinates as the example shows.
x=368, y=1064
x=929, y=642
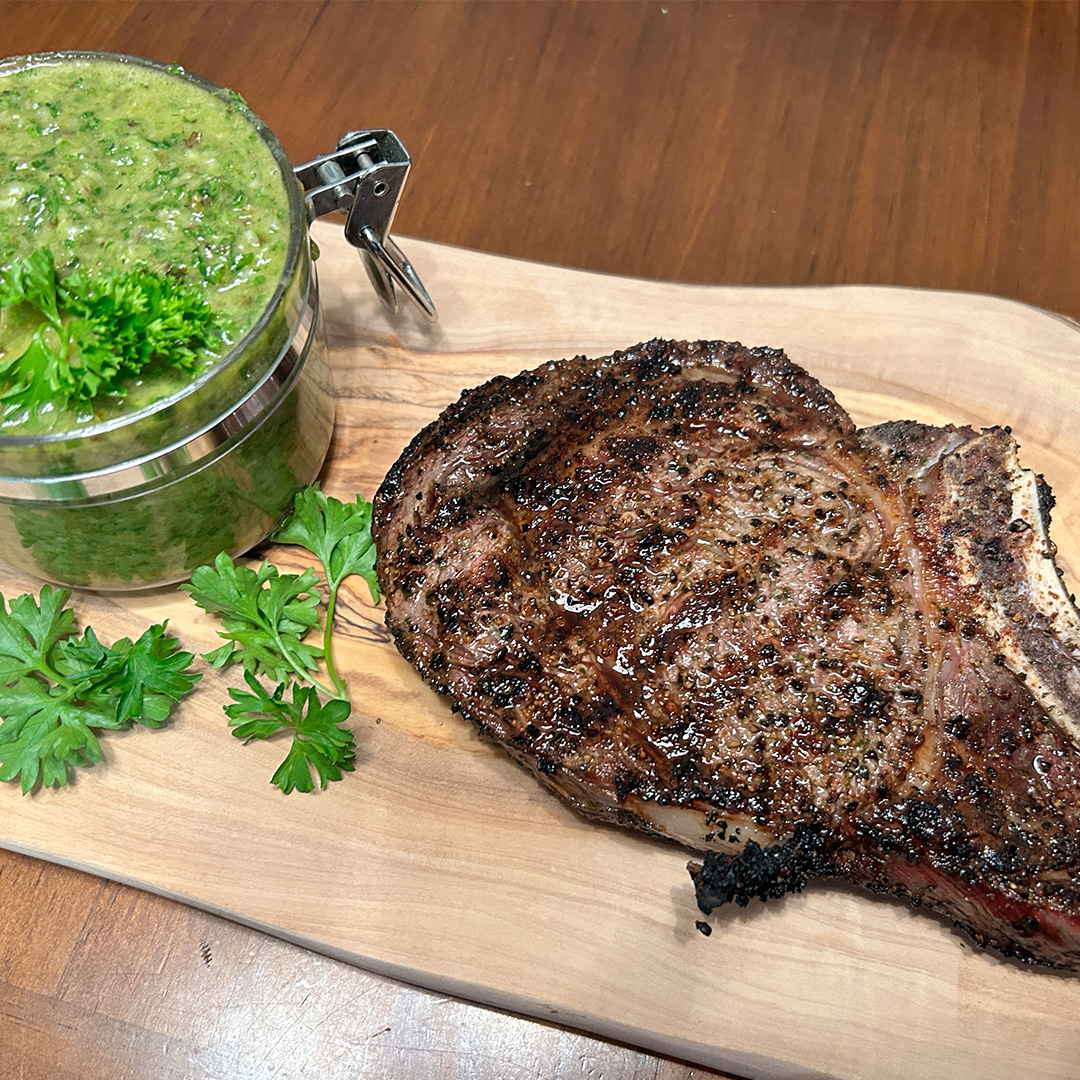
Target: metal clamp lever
x=364, y=177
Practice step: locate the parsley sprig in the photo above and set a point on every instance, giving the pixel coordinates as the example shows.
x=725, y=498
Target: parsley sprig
x=265, y=614
x=320, y=740
x=61, y=688
x=97, y=333
x=267, y=617
x=338, y=535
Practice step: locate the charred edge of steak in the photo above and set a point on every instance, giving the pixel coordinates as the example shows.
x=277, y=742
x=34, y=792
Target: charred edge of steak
x=1047, y=502
x=452, y=418
x=762, y=873
x=555, y=397
x=1008, y=948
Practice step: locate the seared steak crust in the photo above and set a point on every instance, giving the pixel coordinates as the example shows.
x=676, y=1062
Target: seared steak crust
x=682, y=588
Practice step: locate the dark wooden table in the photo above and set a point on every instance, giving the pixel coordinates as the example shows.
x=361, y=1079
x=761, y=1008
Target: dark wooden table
x=920, y=144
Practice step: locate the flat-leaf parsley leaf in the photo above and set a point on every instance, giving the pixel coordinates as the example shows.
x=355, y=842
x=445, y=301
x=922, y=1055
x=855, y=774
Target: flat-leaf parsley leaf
x=339, y=535
x=319, y=739
x=267, y=616
x=61, y=688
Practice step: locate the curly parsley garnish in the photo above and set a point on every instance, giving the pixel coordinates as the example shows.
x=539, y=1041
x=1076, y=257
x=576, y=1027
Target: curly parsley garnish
x=62, y=688
x=266, y=618
x=97, y=333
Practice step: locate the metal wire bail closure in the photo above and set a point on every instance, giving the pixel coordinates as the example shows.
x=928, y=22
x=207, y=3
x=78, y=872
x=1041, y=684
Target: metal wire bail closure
x=364, y=178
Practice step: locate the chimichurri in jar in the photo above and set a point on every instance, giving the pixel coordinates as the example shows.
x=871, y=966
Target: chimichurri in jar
x=115, y=167
x=164, y=379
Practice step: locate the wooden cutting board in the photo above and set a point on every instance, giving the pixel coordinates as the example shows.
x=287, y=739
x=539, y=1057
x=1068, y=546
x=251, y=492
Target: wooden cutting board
x=441, y=862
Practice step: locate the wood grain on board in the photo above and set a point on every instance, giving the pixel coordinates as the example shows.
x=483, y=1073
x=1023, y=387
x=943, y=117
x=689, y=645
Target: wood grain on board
x=443, y=863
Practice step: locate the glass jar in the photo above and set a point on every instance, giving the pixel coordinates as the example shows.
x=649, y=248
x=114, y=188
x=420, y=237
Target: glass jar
x=144, y=497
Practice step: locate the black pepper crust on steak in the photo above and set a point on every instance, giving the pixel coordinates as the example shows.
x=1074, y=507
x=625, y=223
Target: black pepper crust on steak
x=683, y=589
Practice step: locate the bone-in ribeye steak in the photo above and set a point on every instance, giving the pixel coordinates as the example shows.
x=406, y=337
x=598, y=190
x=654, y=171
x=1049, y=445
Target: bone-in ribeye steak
x=680, y=586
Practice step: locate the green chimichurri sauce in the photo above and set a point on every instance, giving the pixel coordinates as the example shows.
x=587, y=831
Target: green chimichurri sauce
x=114, y=166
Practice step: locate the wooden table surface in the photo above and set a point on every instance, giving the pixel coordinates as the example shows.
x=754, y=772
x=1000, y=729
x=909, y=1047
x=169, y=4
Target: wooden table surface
x=918, y=144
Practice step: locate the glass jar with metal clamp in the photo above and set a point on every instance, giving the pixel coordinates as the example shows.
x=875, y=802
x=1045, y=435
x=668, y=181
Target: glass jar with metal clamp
x=141, y=496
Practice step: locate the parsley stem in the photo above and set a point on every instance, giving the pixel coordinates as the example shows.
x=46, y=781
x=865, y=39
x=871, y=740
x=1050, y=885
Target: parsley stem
x=328, y=652
x=300, y=670
x=67, y=684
